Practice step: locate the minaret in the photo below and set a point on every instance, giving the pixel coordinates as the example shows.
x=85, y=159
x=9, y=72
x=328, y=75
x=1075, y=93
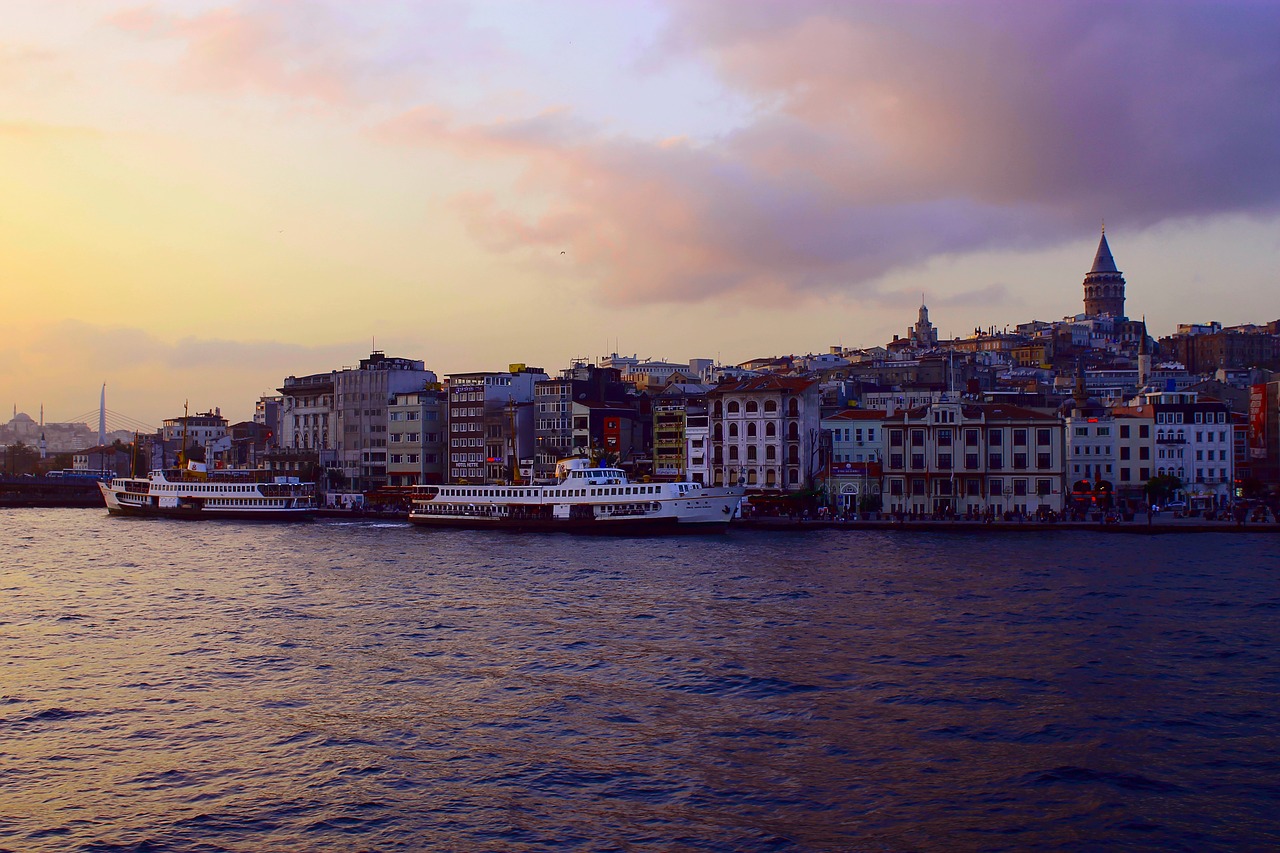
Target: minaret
x=44, y=446
x=1144, y=358
x=1104, y=285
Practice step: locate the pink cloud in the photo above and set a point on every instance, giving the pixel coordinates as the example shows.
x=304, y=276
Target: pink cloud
x=887, y=134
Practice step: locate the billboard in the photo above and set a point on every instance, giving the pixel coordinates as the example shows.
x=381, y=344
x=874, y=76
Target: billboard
x=1258, y=407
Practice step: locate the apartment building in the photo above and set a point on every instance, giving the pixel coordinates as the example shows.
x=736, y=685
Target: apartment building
x=766, y=433
x=491, y=423
x=416, y=437
x=973, y=458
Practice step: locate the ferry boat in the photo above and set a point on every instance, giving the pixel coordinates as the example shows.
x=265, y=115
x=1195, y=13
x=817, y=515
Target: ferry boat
x=587, y=499
x=193, y=492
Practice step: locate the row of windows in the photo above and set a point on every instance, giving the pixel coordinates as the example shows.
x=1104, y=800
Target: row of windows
x=752, y=407
x=411, y=437
x=972, y=487
x=770, y=431
x=411, y=458
x=945, y=461
x=995, y=437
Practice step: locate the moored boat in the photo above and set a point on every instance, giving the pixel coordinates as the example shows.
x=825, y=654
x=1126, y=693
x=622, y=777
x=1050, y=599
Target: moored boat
x=586, y=499
x=194, y=493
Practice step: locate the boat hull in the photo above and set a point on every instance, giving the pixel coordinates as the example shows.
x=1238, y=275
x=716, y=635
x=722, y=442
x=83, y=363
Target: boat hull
x=657, y=526
x=212, y=514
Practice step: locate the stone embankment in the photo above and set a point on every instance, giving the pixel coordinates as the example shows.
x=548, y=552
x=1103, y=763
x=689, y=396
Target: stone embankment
x=1139, y=525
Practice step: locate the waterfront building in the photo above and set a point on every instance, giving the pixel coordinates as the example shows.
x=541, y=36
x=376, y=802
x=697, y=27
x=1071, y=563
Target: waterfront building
x=307, y=416
x=1190, y=438
x=416, y=437
x=554, y=432
x=766, y=432
x=206, y=431
x=1135, y=448
x=970, y=458
x=857, y=448
x=1091, y=466
x=341, y=415
x=491, y=424
x=266, y=412
x=681, y=429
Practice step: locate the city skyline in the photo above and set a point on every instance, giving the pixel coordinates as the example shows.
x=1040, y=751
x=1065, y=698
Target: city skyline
x=204, y=198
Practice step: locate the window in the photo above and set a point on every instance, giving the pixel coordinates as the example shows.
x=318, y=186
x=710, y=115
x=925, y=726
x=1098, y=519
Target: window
x=944, y=461
x=917, y=461
x=1144, y=430
x=944, y=438
x=995, y=461
x=895, y=438
x=995, y=437
x=971, y=461
x=1019, y=438
x=997, y=487
x=917, y=438
x=733, y=407
x=1043, y=461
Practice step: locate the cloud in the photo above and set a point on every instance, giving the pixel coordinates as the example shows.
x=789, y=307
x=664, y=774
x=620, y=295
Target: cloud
x=889, y=134
x=882, y=135
x=328, y=54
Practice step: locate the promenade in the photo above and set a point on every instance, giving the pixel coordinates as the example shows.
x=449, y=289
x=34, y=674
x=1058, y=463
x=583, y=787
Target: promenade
x=1158, y=525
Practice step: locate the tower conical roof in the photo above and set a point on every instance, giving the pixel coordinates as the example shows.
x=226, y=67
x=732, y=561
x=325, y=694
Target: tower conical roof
x=1102, y=261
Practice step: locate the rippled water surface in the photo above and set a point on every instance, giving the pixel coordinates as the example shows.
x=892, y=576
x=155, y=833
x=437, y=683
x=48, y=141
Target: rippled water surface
x=334, y=686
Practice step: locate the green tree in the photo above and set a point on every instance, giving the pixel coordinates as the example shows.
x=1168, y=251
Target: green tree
x=1161, y=487
x=21, y=458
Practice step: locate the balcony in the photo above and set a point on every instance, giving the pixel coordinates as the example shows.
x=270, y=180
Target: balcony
x=1171, y=440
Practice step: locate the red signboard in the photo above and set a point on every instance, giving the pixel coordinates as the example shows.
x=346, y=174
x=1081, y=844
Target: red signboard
x=1258, y=400
x=612, y=434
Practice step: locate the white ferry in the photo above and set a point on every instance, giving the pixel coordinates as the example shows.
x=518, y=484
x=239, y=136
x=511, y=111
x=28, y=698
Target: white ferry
x=194, y=492
x=586, y=499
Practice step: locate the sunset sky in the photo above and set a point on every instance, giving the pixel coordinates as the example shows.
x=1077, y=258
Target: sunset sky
x=198, y=199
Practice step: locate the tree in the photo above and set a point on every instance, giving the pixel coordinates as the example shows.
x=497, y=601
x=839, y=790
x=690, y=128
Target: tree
x=21, y=458
x=1161, y=487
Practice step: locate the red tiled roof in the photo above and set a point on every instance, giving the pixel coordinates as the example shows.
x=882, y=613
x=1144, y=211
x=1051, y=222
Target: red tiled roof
x=771, y=382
